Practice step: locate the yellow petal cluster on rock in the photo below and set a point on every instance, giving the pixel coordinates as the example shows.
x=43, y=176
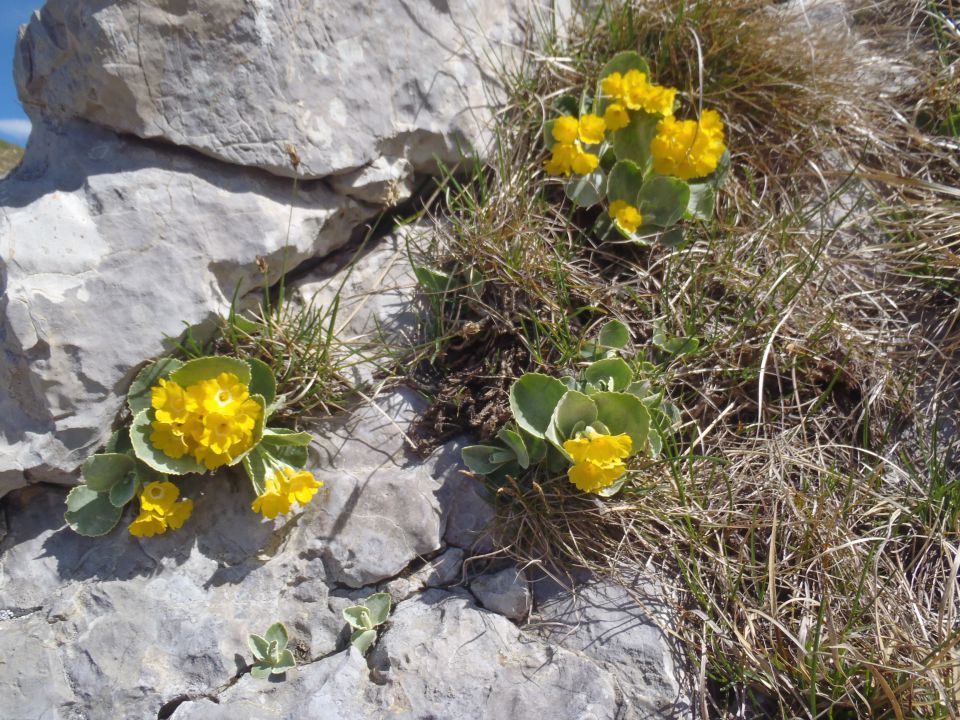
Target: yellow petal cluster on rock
x=284, y=488
x=211, y=420
x=160, y=510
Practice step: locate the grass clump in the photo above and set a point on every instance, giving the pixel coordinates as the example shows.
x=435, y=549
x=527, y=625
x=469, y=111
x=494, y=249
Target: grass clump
x=806, y=508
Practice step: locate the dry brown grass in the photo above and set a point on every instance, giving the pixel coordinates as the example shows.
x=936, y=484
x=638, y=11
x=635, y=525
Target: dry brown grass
x=808, y=507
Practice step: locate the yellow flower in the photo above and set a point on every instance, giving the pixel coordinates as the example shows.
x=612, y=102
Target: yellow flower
x=210, y=459
x=560, y=162
x=626, y=216
x=639, y=94
x=612, y=85
x=169, y=438
x=159, y=497
x=220, y=433
x=616, y=117
x=171, y=403
x=225, y=394
x=302, y=485
x=584, y=163
x=147, y=525
x=592, y=129
x=598, y=459
x=687, y=148
x=159, y=510
x=566, y=129
x=275, y=499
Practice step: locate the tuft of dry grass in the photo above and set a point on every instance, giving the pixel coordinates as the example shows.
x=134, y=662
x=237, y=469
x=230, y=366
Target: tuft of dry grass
x=808, y=506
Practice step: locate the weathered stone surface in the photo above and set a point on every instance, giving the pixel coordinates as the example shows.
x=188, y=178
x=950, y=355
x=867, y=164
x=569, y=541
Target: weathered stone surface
x=506, y=592
x=434, y=661
x=468, y=506
x=442, y=571
x=623, y=631
x=108, y=247
x=373, y=89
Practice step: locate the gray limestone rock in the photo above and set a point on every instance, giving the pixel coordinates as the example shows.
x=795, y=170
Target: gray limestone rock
x=109, y=248
x=624, y=630
x=367, y=90
x=506, y=592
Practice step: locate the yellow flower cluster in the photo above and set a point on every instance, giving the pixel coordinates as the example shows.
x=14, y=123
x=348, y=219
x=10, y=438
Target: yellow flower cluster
x=571, y=134
x=160, y=510
x=636, y=93
x=212, y=420
x=687, y=148
x=627, y=217
x=598, y=459
x=283, y=489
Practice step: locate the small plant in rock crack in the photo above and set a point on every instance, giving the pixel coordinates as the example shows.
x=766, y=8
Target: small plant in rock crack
x=365, y=618
x=589, y=424
x=270, y=652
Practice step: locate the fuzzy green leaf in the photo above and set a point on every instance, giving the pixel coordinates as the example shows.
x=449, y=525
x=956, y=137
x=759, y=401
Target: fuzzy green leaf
x=514, y=441
x=363, y=639
x=586, y=190
x=479, y=458
x=574, y=409
x=633, y=141
x=119, y=442
x=125, y=490
x=664, y=200
x=140, y=431
x=90, y=513
x=207, y=368
x=703, y=200
x=280, y=436
x=262, y=380
x=138, y=397
x=259, y=647
x=285, y=662
x=255, y=465
x=358, y=617
x=533, y=399
x=379, y=606
x=277, y=633
x=624, y=182
x=261, y=670
x=536, y=447
x=613, y=373
x=101, y=472
x=614, y=334
x=293, y=455
x=624, y=413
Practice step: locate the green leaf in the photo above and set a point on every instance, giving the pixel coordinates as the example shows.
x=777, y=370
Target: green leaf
x=624, y=413
x=140, y=431
x=358, y=617
x=633, y=141
x=125, y=490
x=90, y=513
x=567, y=105
x=119, y=442
x=514, y=441
x=614, y=334
x=207, y=368
x=548, y=140
x=138, y=396
x=277, y=633
x=574, y=409
x=379, y=606
x=258, y=646
x=664, y=200
x=703, y=197
x=262, y=380
x=277, y=437
x=675, y=346
x=363, y=639
x=101, y=472
x=433, y=281
x=586, y=190
x=624, y=62
x=641, y=389
x=255, y=465
x=293, y=455
x=624, y=182
x=285, y=662
x=613, y=373
x=655, y=443
x=479, y=458
x=673, y=238
x=261, y=670
x=536, y=447
x=616, y=487
x=533, y=399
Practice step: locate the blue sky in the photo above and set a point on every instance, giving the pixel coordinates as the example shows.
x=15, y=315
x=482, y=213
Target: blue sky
x=14, y=126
